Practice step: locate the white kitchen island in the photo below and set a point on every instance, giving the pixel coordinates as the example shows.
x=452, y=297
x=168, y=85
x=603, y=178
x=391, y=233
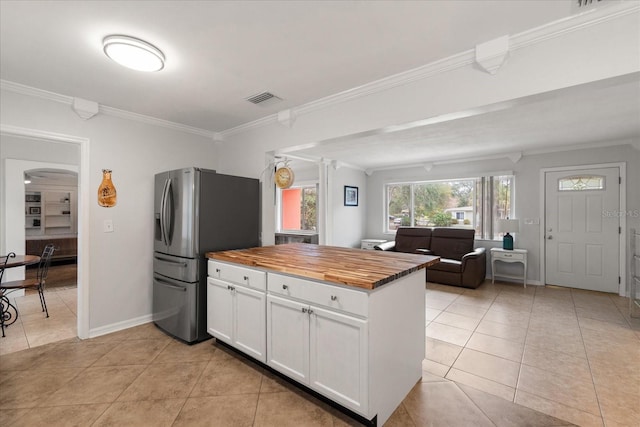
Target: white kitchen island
x=346, y=323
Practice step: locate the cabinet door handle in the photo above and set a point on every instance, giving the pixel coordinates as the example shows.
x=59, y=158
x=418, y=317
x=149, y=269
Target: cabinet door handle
x=310, y=311
x=334, y=298
x=285, y=287
x=508, y=255
x=217, y=270
x=304, y=309
x=246, y=278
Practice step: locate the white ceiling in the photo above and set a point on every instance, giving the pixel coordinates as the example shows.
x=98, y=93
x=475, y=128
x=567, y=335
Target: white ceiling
x=221, y=52
x=580, y=116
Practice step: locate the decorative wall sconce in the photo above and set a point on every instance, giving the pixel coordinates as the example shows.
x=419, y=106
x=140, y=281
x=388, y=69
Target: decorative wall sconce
x=107, y=191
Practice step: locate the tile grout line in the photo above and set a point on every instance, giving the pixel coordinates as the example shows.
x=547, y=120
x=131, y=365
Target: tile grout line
x=476, y=405
x=195, y=383
x=524, y=346
x=595, y=389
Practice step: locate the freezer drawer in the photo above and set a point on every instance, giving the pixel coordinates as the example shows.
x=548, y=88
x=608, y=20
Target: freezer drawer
x=175, y=307
x=183, y=269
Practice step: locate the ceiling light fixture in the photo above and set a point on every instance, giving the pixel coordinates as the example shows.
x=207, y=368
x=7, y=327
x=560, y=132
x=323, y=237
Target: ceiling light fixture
x=133, y=53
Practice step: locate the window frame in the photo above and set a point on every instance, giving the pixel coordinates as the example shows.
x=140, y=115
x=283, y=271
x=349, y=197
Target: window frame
x=483, y=196
x=278, y=202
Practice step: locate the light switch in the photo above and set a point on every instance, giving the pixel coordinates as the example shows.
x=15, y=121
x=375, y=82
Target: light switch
x=108, y=226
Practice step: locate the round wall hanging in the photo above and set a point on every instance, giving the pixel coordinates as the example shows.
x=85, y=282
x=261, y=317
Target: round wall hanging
x=284, y=177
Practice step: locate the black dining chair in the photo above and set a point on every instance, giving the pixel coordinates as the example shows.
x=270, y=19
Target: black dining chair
x=5, y=313
x=38, y=283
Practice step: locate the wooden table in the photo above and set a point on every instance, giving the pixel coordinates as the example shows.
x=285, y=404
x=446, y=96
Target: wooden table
x=19, y=261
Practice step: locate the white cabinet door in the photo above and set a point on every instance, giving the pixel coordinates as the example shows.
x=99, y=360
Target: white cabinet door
x=249, y=322
x=219, y=310
x=288, y=338
x=339, y=358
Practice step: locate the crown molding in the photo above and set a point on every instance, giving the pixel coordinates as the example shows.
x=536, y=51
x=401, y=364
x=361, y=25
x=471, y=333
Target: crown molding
x=35, y=92
x=573, y=23
x=518, y=41
x=39, y=134
x=245, y=127
x=110, y=111
x=123, y=114
x=521, y=40
x=514, y=157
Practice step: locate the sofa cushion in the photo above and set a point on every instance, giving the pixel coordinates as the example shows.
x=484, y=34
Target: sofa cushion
x=448, y=265
x=408, y=239
x=452, y=243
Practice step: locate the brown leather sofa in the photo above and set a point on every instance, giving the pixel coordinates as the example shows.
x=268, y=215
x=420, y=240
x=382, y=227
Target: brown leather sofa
x=460, y=264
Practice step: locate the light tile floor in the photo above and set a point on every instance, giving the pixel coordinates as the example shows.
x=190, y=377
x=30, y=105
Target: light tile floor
x=500, y=355
x=569, y=353
x=33, y=328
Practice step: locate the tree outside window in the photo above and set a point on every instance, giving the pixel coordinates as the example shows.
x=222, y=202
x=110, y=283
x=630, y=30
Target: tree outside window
x=299, y=209
x=466, y=203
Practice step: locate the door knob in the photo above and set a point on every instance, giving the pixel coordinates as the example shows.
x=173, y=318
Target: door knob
x=550, y=237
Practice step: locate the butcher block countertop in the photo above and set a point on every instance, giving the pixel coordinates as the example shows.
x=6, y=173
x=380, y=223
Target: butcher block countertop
x=364, y=269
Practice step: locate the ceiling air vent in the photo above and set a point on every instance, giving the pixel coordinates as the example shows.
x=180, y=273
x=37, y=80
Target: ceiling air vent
x=264, y=99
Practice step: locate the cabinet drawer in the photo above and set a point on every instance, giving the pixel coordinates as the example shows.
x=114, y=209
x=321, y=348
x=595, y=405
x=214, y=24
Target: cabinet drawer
x=241, y=275
x=347, y=300
x=508, y=256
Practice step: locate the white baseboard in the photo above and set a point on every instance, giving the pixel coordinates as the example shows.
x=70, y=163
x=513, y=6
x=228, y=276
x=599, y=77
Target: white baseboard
x=119, y=326
x=517, y=282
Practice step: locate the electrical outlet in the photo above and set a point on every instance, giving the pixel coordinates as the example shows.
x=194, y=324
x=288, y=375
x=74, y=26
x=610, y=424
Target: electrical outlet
x=108, y=226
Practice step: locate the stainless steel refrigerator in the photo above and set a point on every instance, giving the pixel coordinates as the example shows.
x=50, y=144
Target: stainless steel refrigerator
x=196, y=211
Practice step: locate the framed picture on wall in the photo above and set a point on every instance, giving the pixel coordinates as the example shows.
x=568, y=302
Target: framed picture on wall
x=350, y=196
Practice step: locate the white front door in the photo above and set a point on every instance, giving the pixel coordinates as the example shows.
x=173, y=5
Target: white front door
x=582, y=228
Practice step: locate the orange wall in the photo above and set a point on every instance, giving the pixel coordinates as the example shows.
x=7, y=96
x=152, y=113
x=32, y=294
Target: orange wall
x=291, y=199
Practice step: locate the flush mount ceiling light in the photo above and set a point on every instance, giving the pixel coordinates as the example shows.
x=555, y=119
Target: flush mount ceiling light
x=133, y=53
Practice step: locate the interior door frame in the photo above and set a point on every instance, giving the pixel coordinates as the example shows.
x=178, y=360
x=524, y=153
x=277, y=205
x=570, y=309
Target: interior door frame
x=84, y=197
x=621, y=209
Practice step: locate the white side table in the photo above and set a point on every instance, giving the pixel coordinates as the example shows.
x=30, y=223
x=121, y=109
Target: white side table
x=370, y=243
x=515, y=255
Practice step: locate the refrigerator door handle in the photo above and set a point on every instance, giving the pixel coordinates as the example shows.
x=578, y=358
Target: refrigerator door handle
x=162, y=211
x=169, y=285
x=164, y=214
x=170, y=261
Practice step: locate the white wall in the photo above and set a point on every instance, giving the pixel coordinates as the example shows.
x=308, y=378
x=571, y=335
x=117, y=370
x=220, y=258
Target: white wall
x=348, y=222
x=120, y=264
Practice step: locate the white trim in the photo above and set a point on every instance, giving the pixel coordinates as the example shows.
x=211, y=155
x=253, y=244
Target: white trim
x=622, y=248
x=119, y=326
x=83, y=214
x=521, y=40
x=116, y=112
x=448, y=178
x=35, y=92
x=110, y=111
x=572, y=23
